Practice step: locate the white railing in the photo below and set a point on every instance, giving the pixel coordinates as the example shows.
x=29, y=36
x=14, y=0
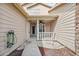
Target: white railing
x=46, y=35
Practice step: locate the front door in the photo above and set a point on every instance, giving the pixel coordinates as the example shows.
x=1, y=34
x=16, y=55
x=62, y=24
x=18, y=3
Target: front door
x=33, y=30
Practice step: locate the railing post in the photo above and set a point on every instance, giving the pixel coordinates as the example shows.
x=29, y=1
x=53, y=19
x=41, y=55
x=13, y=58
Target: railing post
x=37, y=29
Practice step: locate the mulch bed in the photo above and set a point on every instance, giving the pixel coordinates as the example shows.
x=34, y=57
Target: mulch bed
x=56, y=52
x=16, y=53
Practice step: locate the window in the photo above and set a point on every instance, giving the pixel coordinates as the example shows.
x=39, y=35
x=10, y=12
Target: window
x=41, y=27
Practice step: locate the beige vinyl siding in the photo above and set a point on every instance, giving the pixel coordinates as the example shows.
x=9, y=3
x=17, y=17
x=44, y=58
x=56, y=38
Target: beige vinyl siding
x=11, y=19
x=38, y=10
x=77, y=28
x=65, y=25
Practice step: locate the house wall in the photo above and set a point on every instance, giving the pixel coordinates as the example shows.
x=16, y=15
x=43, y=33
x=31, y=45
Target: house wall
x=77, y=28
x=53, y=24
x=11, y=19
x=65, y=25
x=26, y=6
x=27, y=26
x=43, y=10
x=47, y=27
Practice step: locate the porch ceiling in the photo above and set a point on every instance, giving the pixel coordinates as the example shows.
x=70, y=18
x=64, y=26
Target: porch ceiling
x=42, y=17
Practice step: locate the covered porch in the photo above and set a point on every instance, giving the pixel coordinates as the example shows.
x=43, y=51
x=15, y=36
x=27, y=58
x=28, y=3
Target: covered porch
x=42, y=27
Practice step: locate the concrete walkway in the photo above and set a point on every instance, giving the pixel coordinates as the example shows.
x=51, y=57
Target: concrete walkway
x=31, y=48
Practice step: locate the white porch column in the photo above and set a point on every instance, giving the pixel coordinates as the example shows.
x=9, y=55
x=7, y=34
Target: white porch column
x=37, y=29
